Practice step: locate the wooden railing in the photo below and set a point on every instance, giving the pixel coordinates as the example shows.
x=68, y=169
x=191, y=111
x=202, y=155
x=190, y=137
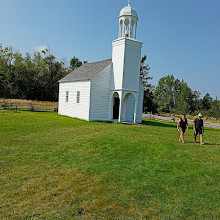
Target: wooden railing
x=18, y=104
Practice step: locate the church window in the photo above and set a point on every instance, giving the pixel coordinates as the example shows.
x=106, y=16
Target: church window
x=78, y=97
x=67, y=96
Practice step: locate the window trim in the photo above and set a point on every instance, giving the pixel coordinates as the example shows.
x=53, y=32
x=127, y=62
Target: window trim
x=67, y=96
x=78, y=97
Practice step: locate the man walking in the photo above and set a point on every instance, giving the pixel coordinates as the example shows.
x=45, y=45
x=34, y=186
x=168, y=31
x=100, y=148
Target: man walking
x=198, y=128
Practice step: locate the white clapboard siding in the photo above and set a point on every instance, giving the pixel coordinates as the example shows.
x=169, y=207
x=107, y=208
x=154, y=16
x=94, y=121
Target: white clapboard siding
x=100, y=95
x=72, y=108
x=126, y=56
x=140, y=103
x=130, y=103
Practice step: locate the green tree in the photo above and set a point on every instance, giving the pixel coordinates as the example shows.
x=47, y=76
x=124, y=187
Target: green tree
x=144, y=71
x=196, y=101
x=6, y=68
x=206, y=102
x=49, y=72
x=164, y=94
x=173, y=96
x=30, y=78
x=148, y=104
x=184, y=99
x=75, y=63
x=215, y=110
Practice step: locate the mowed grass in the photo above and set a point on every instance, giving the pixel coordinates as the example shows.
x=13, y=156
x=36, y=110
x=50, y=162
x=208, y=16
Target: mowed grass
x=55, y=167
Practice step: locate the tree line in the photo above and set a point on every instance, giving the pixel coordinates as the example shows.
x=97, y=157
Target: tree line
x=174, y=96
x=34, y=77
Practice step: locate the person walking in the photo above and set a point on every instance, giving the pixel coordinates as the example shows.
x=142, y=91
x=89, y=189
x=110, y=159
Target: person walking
x=181, y=126
x=198, y=127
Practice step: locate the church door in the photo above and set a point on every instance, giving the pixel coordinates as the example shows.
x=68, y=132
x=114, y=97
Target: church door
x=116, y=108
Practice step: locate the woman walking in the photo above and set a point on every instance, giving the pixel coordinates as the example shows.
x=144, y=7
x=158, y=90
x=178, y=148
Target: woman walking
x=181, y=126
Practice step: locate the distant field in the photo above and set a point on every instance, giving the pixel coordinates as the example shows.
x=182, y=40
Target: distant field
x=55, y=167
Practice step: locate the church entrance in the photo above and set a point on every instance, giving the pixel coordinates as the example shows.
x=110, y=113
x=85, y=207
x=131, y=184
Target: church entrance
x=116, y=103
x=116, y=108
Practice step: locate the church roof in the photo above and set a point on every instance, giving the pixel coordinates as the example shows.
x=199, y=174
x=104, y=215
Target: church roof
x=86, y=71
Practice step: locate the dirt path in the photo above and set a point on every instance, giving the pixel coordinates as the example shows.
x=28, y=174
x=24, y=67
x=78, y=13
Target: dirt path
x=173, y=119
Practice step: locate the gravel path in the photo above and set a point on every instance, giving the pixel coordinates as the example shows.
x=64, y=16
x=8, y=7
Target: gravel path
x=173, y=119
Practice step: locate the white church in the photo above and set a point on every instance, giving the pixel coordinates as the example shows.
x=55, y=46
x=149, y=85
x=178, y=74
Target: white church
x=108, y=90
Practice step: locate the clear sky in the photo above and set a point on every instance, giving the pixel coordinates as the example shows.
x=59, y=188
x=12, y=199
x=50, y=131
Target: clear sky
x=181, y=37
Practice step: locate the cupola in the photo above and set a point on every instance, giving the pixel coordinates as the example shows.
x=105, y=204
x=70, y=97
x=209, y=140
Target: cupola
x=128, y=22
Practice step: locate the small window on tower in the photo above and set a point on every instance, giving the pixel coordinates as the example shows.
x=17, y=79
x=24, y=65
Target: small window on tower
x=78, y=97
x=67, y=96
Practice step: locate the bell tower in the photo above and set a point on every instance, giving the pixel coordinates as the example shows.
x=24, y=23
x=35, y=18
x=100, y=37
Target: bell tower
x=126, y=51
x=126, y=58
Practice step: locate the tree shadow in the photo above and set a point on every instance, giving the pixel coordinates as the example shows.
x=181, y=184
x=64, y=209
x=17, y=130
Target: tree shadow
x=159, y=124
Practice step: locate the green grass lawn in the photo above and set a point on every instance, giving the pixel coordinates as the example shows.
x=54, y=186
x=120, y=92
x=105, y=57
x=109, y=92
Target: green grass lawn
x=55, y=167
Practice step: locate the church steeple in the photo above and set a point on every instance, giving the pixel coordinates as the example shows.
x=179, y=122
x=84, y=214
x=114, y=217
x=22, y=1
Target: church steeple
x=126, y=56
x=128, y=22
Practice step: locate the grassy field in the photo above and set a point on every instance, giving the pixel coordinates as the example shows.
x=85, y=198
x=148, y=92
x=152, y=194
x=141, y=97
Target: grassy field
x=54, y=167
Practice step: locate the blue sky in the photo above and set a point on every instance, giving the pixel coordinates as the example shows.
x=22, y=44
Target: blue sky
x=180, y=37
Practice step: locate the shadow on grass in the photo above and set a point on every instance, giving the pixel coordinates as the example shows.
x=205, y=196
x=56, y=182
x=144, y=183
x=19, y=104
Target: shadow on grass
x=211, y=144
x=158, y=124
x=198, y=143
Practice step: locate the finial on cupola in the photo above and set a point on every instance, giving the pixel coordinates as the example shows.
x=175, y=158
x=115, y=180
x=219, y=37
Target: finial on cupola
x=129, y=2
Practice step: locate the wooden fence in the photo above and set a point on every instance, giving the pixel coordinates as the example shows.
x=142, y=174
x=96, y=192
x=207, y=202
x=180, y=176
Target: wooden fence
x=17, y=104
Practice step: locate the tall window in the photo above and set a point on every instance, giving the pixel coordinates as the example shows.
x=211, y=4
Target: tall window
x=67, y=96
x=78, y=97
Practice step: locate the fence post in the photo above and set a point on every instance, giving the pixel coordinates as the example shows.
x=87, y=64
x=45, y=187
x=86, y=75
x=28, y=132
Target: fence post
x=54, y=107
x=11, y=105
x=4, y=103
x=31, y=106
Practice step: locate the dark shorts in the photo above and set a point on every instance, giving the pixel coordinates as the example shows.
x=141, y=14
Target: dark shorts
x=182, y=130
x=198, y=131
